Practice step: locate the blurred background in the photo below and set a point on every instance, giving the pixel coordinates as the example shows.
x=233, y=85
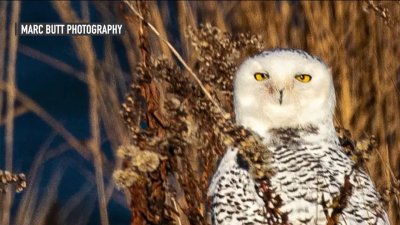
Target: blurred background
x=60, y=96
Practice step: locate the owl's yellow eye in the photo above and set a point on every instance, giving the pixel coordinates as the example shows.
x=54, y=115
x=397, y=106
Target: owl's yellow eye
x=261, y=76
x=305, y=78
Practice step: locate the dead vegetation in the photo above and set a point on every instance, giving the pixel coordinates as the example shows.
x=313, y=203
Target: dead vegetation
x=7, y=178
x=177, y=115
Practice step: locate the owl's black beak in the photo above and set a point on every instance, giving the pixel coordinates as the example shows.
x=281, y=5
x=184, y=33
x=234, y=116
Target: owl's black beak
x=280, y=96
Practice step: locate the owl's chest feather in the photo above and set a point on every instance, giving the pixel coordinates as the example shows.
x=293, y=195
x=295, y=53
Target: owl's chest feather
x=310, y=169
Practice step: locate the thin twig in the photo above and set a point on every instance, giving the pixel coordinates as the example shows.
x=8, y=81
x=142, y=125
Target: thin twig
x=387, y=166
x=56, y=63
x=25, y=212
x=85, y=51
x=12, y=58
x=382, y=13
x=51, y=121
x=17, y=112
x=46, y=201
x=3, y=41
x=178, y=56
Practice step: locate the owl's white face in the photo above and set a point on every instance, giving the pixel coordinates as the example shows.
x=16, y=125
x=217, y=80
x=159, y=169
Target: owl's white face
x=283, y=88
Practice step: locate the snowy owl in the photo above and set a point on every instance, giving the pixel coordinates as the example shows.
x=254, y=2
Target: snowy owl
x=287, y=97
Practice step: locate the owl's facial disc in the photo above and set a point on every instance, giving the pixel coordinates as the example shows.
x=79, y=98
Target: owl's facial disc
x=283, y=88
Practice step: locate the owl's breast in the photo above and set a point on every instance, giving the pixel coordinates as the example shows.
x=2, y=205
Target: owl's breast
x=306, y=177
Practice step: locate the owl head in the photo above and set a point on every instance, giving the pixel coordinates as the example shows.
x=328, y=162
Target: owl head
x=283, y=88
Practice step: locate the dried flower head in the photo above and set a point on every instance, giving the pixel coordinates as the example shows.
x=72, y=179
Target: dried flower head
x=359, y=151
x=8, y=178
x=125, y=178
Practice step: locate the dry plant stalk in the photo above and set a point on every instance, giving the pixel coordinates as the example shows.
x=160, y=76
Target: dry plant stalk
x=12, y=41
x=85, y=51
x=171, y=119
